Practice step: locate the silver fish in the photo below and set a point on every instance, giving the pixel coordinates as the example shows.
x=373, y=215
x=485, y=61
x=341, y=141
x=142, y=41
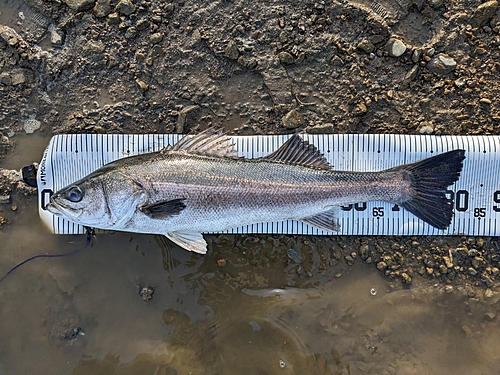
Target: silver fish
x=199, y=185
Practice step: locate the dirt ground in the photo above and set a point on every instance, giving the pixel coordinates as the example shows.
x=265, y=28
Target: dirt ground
x=404, y=66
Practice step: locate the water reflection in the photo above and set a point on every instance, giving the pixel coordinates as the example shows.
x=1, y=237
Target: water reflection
x=246, y=307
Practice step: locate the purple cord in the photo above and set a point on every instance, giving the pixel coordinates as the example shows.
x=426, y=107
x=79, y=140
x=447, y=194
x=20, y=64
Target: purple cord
x=90, y=234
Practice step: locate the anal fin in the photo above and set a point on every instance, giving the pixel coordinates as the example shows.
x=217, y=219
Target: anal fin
x=191, y=241
x=327, y=220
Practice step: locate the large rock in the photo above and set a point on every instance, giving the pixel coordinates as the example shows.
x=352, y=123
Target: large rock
x=484, y=13
x=80, y=5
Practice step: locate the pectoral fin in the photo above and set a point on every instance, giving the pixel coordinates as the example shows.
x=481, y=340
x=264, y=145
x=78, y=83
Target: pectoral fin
x=163, y=209
x=327, y=221
x=191, y=241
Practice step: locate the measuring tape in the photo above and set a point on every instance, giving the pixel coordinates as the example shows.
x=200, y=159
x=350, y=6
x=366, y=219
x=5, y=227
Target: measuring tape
x=475, y=197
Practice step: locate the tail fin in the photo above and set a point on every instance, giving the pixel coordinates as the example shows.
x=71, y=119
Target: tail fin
x=430, y=178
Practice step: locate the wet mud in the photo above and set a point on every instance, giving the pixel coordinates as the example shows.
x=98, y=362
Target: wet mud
x=136, y=304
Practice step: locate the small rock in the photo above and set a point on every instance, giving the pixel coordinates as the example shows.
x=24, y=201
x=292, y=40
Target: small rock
x=292, y=120
x=5, y=79
x=57, y=37
x=125, y=7
x=448, y=288
x=156, y=38
x=484, y=13
x=146, y=293
x=425, y=128
x=102, y=8
x=92, y=48
x=411, y=75
x=232, y=51
x=285, y=58
x=436, y=3
x=31, y=124
x=416, y=55
x=142, y=24
x=80, y=5
x=395, y=47
x=487, y=281
x=336, y=61
x=338, y=275
x=441, y=64
x=143, y=87
x=490, y=315
x=221, y=262
x=488, y=293
x=131, y=32
x=405, y=278
x=326, y=128
x=17, y=78
x=360, y=109
x=366, y=46
x=113, y=18
x=381, y=265
x=376, y=39
x=4, y=199
x=485, y=101
x=195, y=38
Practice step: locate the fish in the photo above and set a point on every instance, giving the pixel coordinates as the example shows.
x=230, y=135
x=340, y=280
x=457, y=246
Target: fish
x=200, y=185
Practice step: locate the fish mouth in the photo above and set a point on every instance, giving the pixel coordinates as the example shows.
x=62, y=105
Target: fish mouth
x=62, y=210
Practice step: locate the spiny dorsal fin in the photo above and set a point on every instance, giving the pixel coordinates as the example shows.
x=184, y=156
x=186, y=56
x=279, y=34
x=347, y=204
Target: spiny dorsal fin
x=209, y=142
x=299, y=152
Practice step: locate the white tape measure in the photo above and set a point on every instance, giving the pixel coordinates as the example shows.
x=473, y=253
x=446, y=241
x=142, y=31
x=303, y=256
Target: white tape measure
x=475, y=196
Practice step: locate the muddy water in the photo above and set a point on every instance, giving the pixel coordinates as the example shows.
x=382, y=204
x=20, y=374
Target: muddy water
x=83, y=314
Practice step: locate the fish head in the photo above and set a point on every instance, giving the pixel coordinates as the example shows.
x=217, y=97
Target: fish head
x=102, y=200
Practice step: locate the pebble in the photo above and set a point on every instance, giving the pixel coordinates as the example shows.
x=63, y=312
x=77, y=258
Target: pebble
x=336, y=61
x=326, y=128
x=426, y=129
x=488, y=293
x=485, y=101
x=436, y=3
x=411, y=75
x=381, y=265
x=441, y=64
x=405, y=278
x=395, y=47
x=292, y=120
x=57, y=37
x=80, y=5
x=156, y=38
x=366, y=46
x=102, y=8
x=4, y=199
x=448, y=288
x=143, y=87
x=416, y=55
x=232, y=51
x=285, y=58
x=113, y=19
x=483, y=13
x=125, y=7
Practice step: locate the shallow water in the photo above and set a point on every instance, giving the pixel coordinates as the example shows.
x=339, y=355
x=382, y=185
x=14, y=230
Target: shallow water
x=254, y=314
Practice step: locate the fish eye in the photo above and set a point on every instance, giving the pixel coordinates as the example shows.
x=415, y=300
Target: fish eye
x=74, y=194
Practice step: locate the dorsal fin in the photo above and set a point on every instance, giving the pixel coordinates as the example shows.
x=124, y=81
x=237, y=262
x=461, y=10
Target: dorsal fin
x=299, y=152
x=209, y=142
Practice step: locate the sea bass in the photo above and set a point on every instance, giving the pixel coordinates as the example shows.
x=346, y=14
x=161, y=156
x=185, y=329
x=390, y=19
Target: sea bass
x=199, y=185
